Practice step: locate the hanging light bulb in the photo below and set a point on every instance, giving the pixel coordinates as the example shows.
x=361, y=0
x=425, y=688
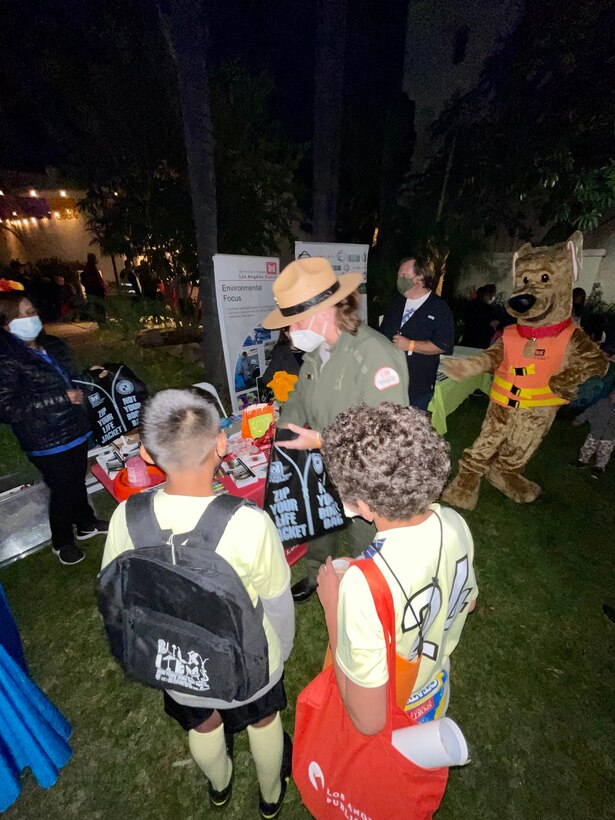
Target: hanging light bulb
x=1, y=193
x=62, y=193
x=33, y=220
x=32, y=192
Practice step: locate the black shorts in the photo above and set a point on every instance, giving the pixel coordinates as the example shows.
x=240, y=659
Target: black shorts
x=235, y=720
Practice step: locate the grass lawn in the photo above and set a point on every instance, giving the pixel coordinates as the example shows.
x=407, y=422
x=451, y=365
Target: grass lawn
x=532, y=678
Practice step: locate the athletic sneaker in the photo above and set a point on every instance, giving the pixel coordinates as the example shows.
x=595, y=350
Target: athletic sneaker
x=270, y=810
x=597, y=472
x=221, y=799
x=68, y=555
x=97, y=527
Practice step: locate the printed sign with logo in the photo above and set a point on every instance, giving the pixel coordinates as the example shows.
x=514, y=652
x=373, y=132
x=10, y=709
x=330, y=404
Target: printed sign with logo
x=244, y=296
x=299, y=496
x=113, y=399
x=344, y=258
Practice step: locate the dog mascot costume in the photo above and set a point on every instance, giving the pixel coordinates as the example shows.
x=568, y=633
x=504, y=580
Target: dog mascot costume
x=538, y=366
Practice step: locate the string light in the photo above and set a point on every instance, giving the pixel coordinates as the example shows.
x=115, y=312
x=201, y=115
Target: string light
x=14, y=213
x=32, y=192
x=62, y=193
x=56, y=214
x=33, y=220
x=1, y=193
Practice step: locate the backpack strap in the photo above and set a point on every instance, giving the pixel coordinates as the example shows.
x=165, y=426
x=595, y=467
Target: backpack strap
x=143, y=526
x=213, y=522
x=145, y=531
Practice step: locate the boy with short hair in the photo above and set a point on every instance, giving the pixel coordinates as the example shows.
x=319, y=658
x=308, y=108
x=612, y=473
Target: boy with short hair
x=390, y=465
x=180, y=433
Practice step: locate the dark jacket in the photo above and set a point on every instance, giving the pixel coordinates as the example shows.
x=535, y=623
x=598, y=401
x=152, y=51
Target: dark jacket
x=33, y=398
x=432, y=322
x=92, y=280
x=478, y=331
x=283, y=357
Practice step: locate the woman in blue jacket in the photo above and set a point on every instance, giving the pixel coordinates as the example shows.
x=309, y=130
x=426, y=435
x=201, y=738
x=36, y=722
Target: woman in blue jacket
x=44, y=410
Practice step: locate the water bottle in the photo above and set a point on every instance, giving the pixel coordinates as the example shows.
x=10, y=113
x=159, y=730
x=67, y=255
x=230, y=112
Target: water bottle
x=136, y=470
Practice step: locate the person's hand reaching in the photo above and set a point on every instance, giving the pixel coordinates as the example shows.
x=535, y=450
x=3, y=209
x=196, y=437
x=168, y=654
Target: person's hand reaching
x=75, y=395
x=306, y=439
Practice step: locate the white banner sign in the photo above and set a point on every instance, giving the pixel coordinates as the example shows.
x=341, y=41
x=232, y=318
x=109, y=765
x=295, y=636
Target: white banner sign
x=244, y=297
x=344, y=258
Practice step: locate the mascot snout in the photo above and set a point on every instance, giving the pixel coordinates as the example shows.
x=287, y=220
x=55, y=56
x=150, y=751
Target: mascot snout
x=522, y=303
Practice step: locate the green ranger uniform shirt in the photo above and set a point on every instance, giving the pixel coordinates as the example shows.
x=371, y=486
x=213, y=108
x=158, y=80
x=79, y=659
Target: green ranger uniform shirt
x=362, y=368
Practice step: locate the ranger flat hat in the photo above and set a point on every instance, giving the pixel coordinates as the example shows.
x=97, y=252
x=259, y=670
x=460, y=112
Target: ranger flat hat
x=306, y=287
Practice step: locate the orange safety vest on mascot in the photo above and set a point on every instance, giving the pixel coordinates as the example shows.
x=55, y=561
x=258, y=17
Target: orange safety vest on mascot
x=522, y=381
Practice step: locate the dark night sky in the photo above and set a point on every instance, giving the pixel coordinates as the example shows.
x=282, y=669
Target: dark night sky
x=277, y=36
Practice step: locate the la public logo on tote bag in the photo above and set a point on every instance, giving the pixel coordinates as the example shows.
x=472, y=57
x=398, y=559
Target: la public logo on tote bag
x=334, y=798
x=317, y=778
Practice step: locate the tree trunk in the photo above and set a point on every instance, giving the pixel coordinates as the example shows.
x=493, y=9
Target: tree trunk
x=115, y=273
x=185, y=29
x=328, y=114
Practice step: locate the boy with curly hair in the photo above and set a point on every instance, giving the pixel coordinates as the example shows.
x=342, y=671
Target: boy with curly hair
x=390, y=465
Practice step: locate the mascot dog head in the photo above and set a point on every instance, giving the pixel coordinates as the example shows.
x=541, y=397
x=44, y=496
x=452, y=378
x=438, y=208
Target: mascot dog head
x=543, y=277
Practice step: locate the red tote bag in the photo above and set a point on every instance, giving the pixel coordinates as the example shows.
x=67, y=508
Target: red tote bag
x=341, y=773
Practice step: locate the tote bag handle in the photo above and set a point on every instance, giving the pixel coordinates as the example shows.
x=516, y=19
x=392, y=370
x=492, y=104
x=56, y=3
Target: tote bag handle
x=383, y=601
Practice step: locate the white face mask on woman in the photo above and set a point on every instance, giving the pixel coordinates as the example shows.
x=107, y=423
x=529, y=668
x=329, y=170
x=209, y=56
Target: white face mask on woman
x=307, y=340
x=27, y=328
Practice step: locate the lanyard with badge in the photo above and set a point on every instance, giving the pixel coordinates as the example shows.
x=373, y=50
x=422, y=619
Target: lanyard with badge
x=407, y=671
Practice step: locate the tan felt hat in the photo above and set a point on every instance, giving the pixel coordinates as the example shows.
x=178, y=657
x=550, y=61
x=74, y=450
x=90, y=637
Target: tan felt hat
x=306, y=287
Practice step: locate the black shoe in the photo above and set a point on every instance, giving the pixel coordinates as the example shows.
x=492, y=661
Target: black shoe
x=221, y=799
x=580, y=464
x=609, y=611
x=597, y=472
x=97, y=527
x=303, y=590
x=68, y=555
x=270, y=810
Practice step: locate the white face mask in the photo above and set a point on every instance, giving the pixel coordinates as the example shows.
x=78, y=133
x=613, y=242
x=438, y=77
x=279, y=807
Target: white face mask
x=306, y=340
x=27, y=328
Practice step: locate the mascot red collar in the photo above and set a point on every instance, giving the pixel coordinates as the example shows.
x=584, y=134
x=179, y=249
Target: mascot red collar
x=542, y=332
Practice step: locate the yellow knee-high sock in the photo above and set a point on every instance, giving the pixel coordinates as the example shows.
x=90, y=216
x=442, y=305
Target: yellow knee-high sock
x=209, y=752
x=267, y=745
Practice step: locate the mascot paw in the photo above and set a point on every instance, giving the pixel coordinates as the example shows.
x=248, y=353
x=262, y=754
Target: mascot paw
x=455, y=369
x=460, y=369
x=514, y=486
x=463, y=491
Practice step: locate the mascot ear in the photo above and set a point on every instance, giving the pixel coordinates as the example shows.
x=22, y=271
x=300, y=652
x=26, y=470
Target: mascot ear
x=575, y=246
x=523, y=250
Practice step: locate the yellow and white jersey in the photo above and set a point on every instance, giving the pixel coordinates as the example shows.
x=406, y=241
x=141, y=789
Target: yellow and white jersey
x=428, y=611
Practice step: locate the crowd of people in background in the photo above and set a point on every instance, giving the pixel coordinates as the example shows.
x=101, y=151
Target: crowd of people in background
x=68, y=291
x=77, y=291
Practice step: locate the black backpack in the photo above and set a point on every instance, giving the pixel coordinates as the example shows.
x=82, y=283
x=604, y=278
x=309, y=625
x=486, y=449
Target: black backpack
x=176, y=613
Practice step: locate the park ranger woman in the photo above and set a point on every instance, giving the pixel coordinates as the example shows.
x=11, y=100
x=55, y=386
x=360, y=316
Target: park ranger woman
x=346, y=363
